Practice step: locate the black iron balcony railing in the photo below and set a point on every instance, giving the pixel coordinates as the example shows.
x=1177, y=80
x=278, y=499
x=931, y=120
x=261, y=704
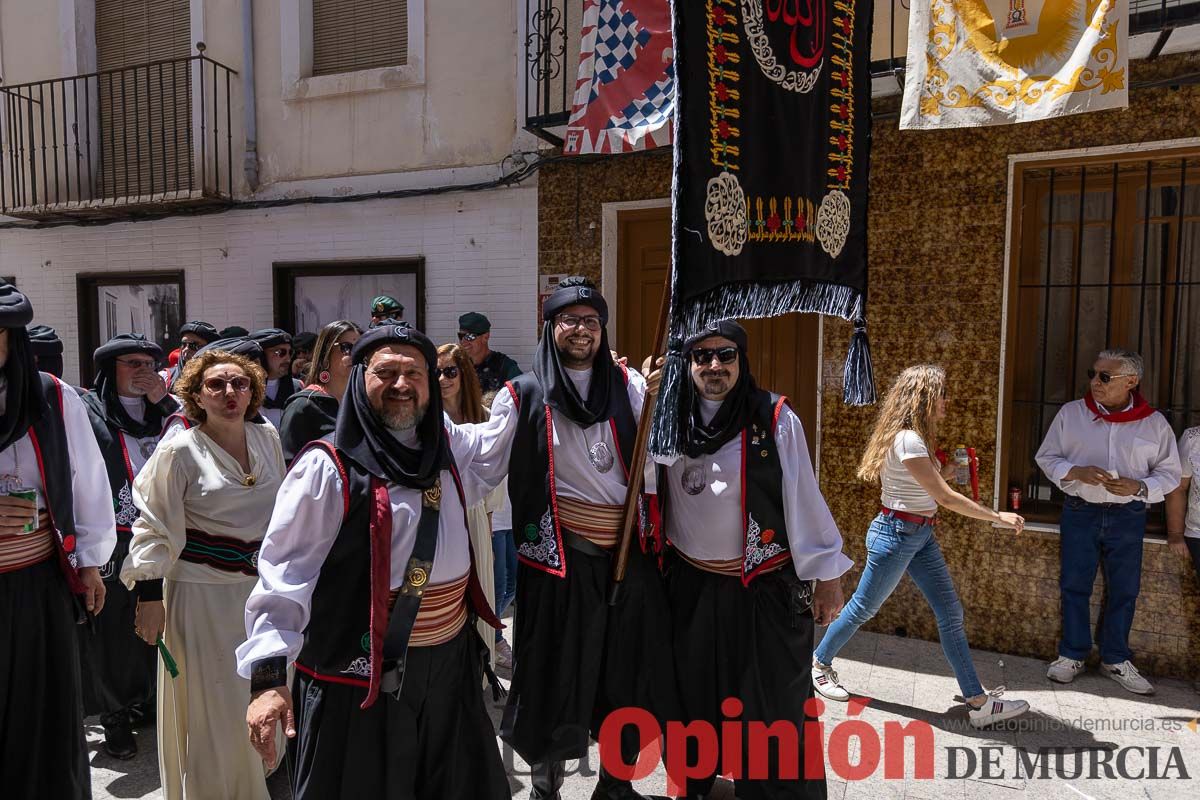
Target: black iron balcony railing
x=118, y=140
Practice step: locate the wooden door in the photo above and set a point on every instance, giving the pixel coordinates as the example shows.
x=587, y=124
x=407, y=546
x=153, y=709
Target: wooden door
x=784, y=351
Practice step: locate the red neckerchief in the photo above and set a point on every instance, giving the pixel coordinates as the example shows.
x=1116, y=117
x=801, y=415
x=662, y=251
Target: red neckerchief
x=1139, y=410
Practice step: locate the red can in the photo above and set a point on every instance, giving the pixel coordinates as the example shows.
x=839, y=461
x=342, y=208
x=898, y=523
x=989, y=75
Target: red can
x=1014, y=498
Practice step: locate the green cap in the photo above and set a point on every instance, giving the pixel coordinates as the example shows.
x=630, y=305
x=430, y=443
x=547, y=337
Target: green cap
x=384, y=304
x=474, y=322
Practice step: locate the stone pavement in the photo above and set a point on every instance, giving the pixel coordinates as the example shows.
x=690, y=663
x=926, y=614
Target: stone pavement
x=907, y=680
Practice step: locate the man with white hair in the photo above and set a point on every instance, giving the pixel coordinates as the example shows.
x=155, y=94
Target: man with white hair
x=1112, y=455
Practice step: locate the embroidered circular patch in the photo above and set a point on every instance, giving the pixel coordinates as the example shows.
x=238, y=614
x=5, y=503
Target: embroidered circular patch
x=68, y=544
x=418, y=577
x=725, y=211
x=768, y=536
x=531, y=532
x=365, y=642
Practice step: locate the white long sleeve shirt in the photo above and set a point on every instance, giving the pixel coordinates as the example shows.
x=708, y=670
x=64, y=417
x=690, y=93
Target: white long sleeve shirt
x=1144, y=450
x=309, y=511
x=95, y=523
x=707, y=526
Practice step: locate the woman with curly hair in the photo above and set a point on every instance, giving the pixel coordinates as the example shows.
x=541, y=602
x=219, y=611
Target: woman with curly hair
x=205, y=497
x=899, y=456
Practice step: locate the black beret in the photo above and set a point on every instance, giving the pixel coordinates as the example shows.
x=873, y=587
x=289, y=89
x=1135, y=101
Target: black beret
x=726, y=328
x=304, y=341
x=44, y=341
x=202, y=329
x=392, y=331
x=271, y=337
x=233, y=332
x=575, y=291
x=474, y=322
x=241, y=346
x=15, y=309
x=124, y=344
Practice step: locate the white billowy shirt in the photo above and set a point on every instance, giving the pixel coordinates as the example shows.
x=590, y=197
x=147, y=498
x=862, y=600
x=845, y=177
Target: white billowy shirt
x=308, y=516
x=575, y=474
x=95, y=524
x=1189, y=458
x=1143, y=450
x=139, y=450
x=703, y=517
x=192, y=483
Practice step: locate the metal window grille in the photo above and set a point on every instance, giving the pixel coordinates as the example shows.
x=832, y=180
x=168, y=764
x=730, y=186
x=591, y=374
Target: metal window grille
x=1109, y=256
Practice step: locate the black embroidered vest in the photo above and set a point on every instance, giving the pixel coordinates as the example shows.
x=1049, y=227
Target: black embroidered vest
x=337, y=641
x=531, y=488
x=764, y=524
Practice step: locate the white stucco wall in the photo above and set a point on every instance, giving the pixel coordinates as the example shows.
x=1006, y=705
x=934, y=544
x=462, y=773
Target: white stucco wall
x=480, y=251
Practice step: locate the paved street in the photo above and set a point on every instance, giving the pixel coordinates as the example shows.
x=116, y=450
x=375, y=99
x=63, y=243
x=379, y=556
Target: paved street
x=908, y=680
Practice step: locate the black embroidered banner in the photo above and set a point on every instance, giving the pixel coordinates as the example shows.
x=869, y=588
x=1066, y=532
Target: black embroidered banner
x=772, y=138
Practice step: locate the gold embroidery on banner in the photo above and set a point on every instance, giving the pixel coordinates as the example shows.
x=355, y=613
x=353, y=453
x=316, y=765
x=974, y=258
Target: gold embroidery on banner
x=1011, y=55
x=723, y=94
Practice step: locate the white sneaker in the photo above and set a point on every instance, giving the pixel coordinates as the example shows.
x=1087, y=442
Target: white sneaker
x=504, y=655
x=825, y=681
x=1064, y=670
x=995, y=710
x=1127, y=675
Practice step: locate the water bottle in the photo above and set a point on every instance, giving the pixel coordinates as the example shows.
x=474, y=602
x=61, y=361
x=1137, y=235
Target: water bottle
x=962, y=465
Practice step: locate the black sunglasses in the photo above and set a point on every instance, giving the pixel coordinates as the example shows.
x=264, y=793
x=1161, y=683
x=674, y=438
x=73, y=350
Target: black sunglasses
x=1105, y=377
x=463, y=336
x=703, y=357
x=449, y=372
x=345, y=347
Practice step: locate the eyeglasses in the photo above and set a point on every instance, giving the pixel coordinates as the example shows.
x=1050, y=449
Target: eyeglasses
x=346, y=347
x=186, y=345
x=136, y=363
x=450, y=373
x=463, y=336
x=218, y=385
x=569, y=321
x=282, y=352
x=703, y=357
x=1105, y=377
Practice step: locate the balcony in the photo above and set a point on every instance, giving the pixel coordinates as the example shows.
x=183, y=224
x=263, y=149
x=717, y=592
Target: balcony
x=553, y=27
x=120, y=143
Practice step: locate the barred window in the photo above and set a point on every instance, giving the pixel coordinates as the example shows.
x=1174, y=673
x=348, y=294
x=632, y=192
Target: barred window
x=350, y=35
x=1105, y=254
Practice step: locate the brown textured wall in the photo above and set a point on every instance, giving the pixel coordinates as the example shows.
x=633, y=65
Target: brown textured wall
x=937, y=227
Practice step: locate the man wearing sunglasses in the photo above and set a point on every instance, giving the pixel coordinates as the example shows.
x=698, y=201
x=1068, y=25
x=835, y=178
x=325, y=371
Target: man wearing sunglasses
x=128, y=409
x=754, y=548
x=493, y=368
x=277, y=345
x=1112, y=455
x=564, y=434
x=192, y=336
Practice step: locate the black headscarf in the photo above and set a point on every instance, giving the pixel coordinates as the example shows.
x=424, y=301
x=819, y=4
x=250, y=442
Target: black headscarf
x=362, y=436
x=559, y=391
x=105, y=400
x=47, y=349
x=25, y=402
x=736, y=409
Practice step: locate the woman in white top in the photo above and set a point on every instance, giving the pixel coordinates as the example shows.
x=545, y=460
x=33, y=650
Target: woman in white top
x=900, y=539
x=205, y=499
x=1183, y=504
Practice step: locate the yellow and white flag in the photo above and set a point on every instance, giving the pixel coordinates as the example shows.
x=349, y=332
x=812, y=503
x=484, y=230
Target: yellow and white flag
x=989, y=62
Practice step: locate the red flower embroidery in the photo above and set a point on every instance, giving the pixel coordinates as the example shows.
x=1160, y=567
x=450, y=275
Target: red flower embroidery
x=722, y=92
x=841, y=173
x=718, y=16
x=844, y=78
x=723, y=129
x=800, y=222
x=773, y=222
x=68, y=544
x=720, y=53
x=768, y=536
x=844, y=111
x=843, y=143
x=846, y=27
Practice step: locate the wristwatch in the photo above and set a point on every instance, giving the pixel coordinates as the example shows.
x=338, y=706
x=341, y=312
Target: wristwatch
x=1142, y=491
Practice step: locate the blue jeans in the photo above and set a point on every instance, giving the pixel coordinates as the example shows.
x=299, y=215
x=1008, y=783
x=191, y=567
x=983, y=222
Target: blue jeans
x=893, y=548
x=504, y=570
x=1109, y=537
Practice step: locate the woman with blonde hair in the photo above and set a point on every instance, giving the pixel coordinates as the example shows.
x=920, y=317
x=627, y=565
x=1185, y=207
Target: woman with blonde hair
x=899, y=456
x=462, y=399
x=311, y=413
x=205, y=498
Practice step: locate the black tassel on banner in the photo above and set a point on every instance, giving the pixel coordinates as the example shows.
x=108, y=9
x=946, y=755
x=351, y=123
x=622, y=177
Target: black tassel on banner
x=664, y=433
x=859, y=376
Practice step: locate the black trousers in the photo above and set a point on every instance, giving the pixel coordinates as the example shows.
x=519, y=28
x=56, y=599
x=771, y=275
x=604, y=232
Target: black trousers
x=433, y=743
x=42, y=750
x=577, y=659
x=750, y=643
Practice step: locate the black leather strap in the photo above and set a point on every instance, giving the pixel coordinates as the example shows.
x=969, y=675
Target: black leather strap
x=268, y=673
x=586, y=546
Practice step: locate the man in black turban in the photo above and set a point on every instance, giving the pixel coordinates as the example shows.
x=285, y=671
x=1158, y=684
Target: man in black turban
x=386, y=693
x=192, y=336
x=47, y=349
x=128, y=410
x=56, y=529
x=277, y=347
